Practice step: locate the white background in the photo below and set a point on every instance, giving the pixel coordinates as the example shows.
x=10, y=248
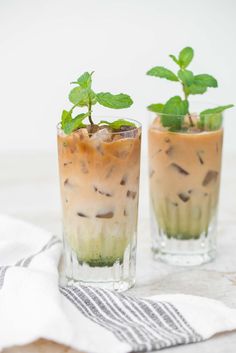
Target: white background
x=45, y=44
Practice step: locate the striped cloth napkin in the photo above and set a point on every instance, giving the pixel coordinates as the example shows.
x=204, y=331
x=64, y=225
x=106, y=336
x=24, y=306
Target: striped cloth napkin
x=32, y=306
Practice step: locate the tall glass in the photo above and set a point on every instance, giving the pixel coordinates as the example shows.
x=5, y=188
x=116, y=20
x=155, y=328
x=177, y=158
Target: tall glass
x=185, y=169
x=99, y=179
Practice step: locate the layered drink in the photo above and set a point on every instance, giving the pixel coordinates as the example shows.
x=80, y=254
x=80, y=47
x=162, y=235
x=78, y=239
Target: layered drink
x=99, y=180
x=184, y=177
x=185, y=148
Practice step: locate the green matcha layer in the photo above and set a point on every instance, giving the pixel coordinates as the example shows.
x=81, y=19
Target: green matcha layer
x=184, y=222
x=101, y=261
x=104, y=250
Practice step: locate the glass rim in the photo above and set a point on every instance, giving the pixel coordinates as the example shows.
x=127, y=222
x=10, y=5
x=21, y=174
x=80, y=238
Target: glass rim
x=136, y=122
x=185, y=115
x=197, y=107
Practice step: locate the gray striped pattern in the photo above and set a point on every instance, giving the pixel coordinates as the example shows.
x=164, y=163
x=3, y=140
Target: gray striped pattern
x=25, y=262
x=144, y=324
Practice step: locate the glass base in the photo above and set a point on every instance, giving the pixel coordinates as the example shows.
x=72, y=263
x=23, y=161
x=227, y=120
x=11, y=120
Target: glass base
x=180, y=250
x=184, y=259
x=116, y=286
x=118, y=276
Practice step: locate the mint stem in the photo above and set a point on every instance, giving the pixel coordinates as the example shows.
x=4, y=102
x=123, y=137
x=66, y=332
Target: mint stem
x=89, y=110
x=186, y=98
x=190, y=120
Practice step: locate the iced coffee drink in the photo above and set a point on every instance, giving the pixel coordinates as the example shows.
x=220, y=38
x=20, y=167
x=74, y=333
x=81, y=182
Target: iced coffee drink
x=185, y=147
x=184, y=183
x=99, y=178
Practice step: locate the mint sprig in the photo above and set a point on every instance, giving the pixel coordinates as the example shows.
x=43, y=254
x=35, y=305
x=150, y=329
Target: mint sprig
x=171, y=111
x=82, y=95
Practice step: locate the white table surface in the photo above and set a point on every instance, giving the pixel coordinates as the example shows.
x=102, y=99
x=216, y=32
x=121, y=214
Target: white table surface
x=29, y=190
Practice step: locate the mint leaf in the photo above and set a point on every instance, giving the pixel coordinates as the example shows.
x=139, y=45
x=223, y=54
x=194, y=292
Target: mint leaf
x=78, y=96
x=195, y=89
x=69, y=124
x=174, y=59
x=114, y=101
x=156, y=108
x=176, y=106
x=117, y=124
x=200, y=84
x=65, y=118
x=85, y=80
x=186, y=77
x=162, y=72
x=212, y=118
x=74, y=123
x=82, y=96
x=185, y=57
x=205, y=80
x=211, y=121
x=216, y=110
x=173, y=113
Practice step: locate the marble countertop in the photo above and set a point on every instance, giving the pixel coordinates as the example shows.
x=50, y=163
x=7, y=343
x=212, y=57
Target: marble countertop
x=29, y=190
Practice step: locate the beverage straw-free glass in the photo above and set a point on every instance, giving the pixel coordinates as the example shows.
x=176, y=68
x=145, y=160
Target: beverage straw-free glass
x=99, y=180
x=185, y=168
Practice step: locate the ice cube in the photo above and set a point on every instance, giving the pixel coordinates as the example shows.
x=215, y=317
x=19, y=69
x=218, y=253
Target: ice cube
x=128, y=132
x=116, y=137
x=210, y=176
x=102, y=135
x=82, y=133
x=169, y=150
x=123, y=148
x=102, y=192
x=184, y=196
x=110, y=171
x=199, y=156
x=67, y=163
x=80, y=214
x=83, y=167
x=105, y=215
x=179, y=169
x=123, y=180
x=131, y=194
